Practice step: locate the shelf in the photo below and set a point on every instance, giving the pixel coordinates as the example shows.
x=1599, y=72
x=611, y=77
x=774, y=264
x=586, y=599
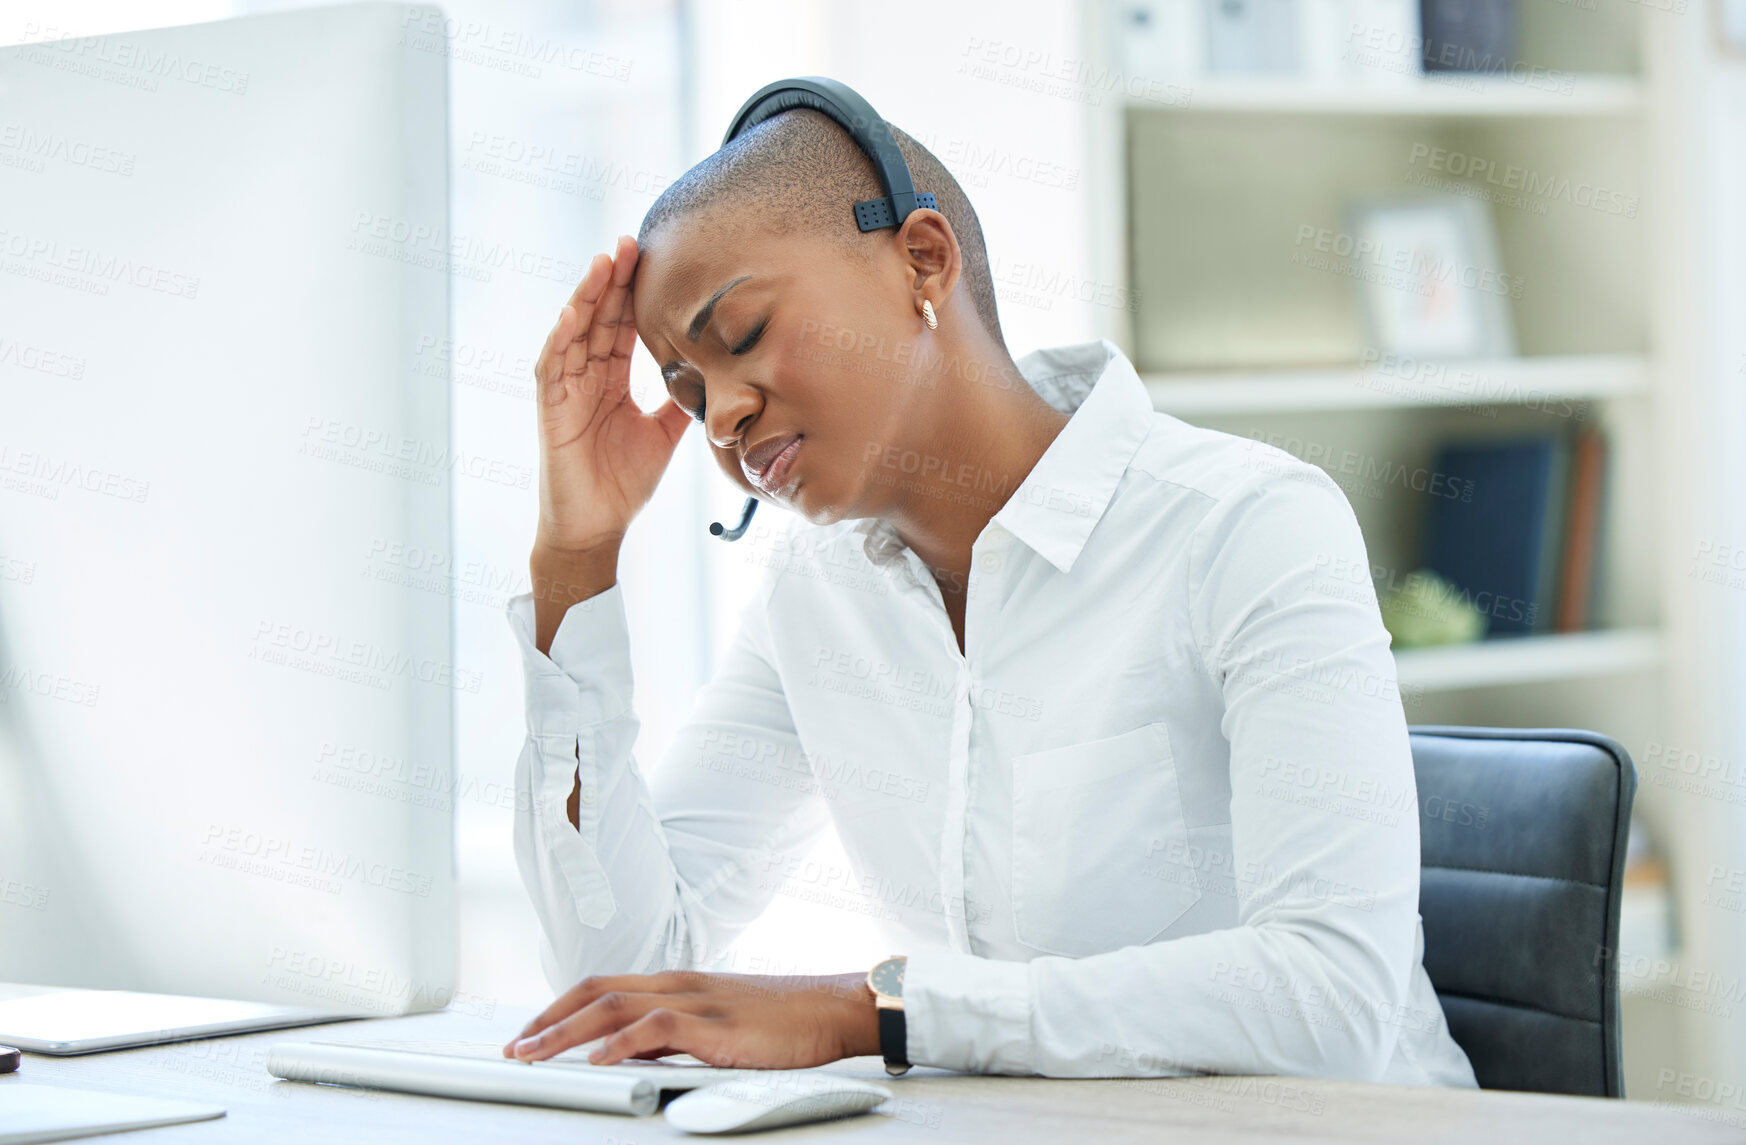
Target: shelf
x=1510, y=381
x=1529, y=659
x=1546, y=94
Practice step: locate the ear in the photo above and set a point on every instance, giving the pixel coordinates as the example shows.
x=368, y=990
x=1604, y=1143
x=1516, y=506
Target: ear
x=930, y=249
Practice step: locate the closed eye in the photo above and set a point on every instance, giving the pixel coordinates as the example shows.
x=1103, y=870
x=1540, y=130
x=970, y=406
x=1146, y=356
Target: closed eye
x=740, y=347
x=750, y=339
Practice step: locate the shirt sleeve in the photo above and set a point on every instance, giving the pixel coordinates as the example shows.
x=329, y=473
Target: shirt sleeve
x=1314, y=978
x=661, y=873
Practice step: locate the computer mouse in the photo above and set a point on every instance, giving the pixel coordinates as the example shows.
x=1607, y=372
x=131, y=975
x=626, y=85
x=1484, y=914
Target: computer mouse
x=786, y=1099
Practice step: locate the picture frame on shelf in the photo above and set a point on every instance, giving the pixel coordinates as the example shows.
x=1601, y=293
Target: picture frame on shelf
x=1252, y=38
x=1430, y=281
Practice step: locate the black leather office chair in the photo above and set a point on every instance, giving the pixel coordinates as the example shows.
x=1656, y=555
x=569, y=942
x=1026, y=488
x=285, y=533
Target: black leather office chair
x=1522, y=839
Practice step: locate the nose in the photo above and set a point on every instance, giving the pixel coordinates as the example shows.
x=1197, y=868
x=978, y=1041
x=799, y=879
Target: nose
x=730, y=412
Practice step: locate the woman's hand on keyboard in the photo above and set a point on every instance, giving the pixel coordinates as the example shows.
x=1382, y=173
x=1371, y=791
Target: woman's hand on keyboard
x=744, y=1021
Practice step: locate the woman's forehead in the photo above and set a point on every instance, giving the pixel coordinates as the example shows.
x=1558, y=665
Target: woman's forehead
x=679, y=267
x=682, y=274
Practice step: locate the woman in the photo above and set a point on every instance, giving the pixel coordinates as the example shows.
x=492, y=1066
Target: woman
x=1083, y=689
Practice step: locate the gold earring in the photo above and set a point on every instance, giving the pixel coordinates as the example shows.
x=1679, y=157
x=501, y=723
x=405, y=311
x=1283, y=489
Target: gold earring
x=928, y=315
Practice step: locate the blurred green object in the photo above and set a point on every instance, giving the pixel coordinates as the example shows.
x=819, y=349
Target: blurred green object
x=1427, y=610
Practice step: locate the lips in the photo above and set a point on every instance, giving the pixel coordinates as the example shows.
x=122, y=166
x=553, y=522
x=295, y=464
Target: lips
x=768, y=463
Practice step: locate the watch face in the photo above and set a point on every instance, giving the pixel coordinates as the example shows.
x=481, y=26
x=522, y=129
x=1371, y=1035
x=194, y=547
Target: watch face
x=887, y=977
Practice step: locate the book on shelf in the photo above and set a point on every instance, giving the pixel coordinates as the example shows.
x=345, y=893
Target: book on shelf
x=1582, y=533
x=1521, y=540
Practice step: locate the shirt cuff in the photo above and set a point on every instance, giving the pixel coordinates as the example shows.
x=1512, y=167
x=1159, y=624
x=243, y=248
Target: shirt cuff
x=586, y=677
x=967, y=1013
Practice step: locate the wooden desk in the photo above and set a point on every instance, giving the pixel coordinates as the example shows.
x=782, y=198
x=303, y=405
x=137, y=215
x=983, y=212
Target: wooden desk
x=932, y=1106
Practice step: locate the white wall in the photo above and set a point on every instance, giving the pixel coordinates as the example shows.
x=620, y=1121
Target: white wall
x=1705, y=149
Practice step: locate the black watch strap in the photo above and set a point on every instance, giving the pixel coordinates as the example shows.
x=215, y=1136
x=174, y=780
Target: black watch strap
x=893, y=1039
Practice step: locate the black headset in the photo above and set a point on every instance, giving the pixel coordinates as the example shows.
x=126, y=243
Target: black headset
x=856, y=116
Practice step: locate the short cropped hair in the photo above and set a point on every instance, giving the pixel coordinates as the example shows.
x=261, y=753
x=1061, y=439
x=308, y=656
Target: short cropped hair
x=800, y=168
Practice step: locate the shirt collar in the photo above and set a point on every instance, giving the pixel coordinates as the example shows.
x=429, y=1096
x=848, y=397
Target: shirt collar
x=1058, y=504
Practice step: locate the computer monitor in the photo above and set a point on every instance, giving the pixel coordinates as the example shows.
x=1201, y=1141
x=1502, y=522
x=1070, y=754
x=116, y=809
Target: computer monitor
x=226, y=677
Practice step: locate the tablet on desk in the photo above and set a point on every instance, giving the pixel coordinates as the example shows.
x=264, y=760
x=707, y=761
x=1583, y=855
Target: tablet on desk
x=54, y=1113
x=56, y=1020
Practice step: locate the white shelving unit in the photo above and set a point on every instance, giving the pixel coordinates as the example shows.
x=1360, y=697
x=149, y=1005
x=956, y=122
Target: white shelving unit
x=1206, y=194
x=1449, y=95
x=1195, y=209
x=1561, y=378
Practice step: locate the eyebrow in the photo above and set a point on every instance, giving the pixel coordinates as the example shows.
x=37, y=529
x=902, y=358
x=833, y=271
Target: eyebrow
x=698, y=322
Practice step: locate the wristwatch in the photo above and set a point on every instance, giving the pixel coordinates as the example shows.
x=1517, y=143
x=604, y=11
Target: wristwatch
x=886, y=982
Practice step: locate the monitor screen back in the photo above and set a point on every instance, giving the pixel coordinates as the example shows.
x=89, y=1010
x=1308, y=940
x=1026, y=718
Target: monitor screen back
x=226, y=679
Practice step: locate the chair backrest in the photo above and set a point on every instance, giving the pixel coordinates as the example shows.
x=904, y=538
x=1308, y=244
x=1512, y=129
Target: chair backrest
x=1522, y=839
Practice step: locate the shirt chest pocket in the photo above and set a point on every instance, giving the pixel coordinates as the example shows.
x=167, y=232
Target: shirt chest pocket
x=1088, y=822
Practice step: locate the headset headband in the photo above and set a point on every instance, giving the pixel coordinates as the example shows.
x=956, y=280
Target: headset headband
x=872, y=134
x=856, y=116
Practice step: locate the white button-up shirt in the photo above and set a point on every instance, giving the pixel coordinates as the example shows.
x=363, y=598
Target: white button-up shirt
x=1159, y=817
